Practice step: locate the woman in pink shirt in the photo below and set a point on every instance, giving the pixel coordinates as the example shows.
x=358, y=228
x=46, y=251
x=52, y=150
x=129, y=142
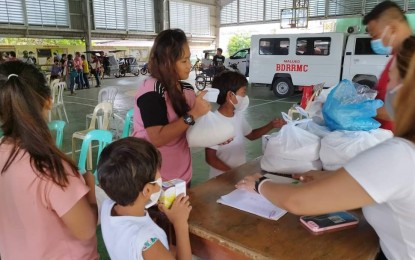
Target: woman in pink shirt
x=48, y=210
x=166, y=106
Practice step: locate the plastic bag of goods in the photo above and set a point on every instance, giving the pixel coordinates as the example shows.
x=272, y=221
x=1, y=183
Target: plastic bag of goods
x=309, y=124
x=352, y=108
x=291, y=150
x=339, y=147
x=209, y=130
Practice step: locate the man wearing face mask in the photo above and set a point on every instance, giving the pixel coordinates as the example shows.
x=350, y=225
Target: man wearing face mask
x=388, y=26
x=233, y=101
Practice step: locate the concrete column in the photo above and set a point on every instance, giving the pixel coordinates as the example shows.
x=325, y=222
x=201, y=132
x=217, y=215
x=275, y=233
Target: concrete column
x=87, y=28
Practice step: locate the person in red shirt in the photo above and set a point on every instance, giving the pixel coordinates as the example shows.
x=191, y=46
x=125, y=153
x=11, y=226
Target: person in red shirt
x=388, y=26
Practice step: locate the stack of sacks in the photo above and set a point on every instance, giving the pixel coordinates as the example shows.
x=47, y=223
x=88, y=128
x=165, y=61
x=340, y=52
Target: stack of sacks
x=338, y=147
x=292, y=150
x=314, y=128
x=209, y=130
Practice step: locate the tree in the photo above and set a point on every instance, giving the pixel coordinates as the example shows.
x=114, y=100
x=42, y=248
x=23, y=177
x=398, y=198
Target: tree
x=36, y=41
x=239, y=41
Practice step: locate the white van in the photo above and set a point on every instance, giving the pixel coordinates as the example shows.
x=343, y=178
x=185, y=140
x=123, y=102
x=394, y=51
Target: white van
x=241, y=59
x=288, y=61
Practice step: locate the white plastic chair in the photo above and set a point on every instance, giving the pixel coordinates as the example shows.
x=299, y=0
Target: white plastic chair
x=106, y=109
x=106, y=94
x=57, y=100
x=53, y=82
x=47, y=79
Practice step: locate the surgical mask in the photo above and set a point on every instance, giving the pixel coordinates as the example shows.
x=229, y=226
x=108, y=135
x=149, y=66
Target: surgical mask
x=243, y=103
x=379, y=48
x=389, y=99
x=155, y=196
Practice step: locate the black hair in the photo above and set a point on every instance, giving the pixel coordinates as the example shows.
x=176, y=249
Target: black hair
x=228, y=81
x=219, y=49
x=125, y=167
x=13, y=54
x=379, y=9
x=167, y=49
x=23, y=98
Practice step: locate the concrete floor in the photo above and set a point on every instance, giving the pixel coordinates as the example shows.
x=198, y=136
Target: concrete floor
x=263, y=107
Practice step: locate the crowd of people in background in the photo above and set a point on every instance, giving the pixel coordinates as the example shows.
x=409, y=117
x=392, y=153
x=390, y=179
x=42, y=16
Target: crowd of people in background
x=75, y=71
x=52, y=208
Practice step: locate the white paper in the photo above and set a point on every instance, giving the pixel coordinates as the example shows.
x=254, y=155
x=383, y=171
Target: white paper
x=253, y=203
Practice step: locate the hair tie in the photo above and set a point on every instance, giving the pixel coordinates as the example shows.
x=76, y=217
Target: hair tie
x=12, y=75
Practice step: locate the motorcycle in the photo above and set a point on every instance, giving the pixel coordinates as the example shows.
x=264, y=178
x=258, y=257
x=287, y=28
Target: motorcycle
x=144, y=69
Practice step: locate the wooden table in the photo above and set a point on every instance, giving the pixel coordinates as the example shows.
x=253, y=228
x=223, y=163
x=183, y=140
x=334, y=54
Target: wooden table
x=221, y=232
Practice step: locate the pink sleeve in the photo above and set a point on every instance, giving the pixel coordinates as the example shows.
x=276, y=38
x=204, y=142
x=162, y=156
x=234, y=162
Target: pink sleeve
x=62, y=200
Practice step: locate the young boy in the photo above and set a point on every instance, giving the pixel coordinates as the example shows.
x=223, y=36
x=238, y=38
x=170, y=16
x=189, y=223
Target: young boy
x=129, y=173
x=233, y=101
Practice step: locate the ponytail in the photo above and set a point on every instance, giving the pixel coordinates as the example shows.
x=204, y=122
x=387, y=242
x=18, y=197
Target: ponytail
x=23, y=98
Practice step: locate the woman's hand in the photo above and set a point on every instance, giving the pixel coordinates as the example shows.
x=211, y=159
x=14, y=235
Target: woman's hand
x=248, y=182
x=310, y=176
x=201, y=106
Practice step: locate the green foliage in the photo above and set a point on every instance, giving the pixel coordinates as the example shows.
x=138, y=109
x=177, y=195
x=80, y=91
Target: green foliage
x=239, y=41
x=34, y=41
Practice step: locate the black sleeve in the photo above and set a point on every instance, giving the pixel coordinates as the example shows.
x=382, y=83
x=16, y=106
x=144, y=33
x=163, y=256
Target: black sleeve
x=153, y=109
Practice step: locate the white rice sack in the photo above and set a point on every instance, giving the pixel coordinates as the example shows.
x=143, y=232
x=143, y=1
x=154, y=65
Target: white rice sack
x=294, y=143
x=288, y=166
x=209, y=130
x=314, y=128
x=381, y=134
x=338, y=147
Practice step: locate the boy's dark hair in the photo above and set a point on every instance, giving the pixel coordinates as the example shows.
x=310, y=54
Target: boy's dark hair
x=125, y=166
x=379, y=9
x=13, y=54
x=228, y=81
x=219, y=49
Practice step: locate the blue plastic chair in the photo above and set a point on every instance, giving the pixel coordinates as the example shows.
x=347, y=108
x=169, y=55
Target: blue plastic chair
x=127, y=123
x=104, y=137
x=57, y=125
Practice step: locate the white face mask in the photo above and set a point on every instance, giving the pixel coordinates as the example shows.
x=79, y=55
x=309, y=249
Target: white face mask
x=155, y=196
x=243, y=103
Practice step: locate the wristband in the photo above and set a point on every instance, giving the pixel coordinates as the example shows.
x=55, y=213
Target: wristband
x=258, y=183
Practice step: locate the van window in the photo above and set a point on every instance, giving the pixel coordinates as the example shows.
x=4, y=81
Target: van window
x=274, y=46
x=363, y=47
x=240, y=54
x=313, y=46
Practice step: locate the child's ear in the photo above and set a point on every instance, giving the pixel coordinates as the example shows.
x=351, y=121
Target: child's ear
x=229, y=94
x=147, y=190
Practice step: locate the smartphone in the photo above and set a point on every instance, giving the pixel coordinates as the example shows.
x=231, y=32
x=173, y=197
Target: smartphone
x=329, y=222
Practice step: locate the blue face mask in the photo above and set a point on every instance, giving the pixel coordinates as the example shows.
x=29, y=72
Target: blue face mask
x=379, y=48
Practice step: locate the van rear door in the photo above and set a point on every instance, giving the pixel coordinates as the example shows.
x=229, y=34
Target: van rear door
x=241, y=58
x=361, y=64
